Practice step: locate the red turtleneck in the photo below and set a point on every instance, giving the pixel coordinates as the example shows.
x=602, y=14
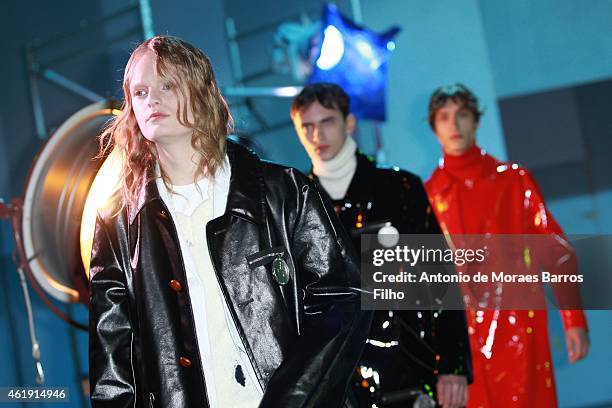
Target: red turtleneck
x=468, y=165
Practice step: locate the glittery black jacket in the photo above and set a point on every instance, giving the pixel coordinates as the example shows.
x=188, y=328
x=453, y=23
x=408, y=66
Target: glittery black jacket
x=427, y=344
x=304, y=338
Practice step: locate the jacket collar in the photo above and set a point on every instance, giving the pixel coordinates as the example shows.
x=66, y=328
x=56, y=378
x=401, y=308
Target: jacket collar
x=246, y=196
x=477, y=164
x=363, y=179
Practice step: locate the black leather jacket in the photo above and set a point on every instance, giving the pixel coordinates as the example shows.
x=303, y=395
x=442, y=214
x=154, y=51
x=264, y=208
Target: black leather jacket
x=304, y=338
x=427, y=344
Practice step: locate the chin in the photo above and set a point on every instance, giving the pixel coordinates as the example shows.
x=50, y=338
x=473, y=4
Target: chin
x=321, y=157
x=455, y=150
x=155, y=138
x=460, y=147
x=151, y=138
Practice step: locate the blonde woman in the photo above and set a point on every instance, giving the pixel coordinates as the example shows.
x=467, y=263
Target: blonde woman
x=216, y=279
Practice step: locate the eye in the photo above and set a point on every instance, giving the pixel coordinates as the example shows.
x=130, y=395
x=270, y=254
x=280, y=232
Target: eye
x=166, y=87
x=140, y=93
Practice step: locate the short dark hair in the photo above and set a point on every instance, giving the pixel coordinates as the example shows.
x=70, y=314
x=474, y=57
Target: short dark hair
x=457, y=93
x=329, y=95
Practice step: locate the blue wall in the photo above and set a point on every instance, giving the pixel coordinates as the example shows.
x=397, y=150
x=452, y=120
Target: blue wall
x=438, y=45
x=544, y=44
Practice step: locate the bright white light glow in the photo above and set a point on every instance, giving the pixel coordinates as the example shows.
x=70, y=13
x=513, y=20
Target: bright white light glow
x=287, y=91
x=332, y=49
x=366, y=372
x=104, y=185
x=365, y=49
x=377, y=343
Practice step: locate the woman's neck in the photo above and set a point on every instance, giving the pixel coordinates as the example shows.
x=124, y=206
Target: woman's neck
x=179, y=162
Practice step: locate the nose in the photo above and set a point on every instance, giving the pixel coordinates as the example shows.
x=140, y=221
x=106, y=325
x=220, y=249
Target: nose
x=456, y=122
x=153, y=97
x=316, y=134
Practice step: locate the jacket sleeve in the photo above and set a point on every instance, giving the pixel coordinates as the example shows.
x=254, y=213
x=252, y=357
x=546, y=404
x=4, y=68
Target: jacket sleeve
x=320, y=364
x=452, y=343
x=560, y=257
x=110, y=333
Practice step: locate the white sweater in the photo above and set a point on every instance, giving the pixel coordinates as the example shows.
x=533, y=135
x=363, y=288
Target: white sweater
x=335, y=175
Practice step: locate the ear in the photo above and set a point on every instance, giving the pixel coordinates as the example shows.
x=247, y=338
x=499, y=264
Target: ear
x=350, y=123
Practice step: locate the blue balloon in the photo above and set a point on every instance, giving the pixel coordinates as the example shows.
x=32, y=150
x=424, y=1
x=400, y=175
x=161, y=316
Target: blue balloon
x=356, y=59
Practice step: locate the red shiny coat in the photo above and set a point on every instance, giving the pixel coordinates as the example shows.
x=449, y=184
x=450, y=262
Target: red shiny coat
x=474, y=194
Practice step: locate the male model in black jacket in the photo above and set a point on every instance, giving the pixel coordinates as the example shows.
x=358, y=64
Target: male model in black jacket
x=406, y=349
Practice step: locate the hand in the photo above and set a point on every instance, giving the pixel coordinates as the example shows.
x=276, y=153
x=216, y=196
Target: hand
x=452, y=391
x=577, y=342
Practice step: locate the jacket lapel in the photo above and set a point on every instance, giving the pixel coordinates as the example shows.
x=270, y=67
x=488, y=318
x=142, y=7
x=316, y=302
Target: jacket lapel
x=246, y=198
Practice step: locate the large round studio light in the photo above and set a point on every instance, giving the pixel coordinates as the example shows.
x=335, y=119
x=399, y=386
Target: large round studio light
x=55, y=195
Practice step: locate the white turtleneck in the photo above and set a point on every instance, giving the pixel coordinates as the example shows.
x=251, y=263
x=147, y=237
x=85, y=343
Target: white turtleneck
x=335, y=174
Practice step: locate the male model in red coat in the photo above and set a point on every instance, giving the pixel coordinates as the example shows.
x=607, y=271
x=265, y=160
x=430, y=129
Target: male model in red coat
x=473, y=193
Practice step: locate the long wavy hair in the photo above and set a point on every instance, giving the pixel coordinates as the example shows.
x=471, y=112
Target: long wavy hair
x=190, y=73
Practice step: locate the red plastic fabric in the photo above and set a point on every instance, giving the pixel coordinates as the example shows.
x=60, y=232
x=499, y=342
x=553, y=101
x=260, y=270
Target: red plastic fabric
x=476, y=194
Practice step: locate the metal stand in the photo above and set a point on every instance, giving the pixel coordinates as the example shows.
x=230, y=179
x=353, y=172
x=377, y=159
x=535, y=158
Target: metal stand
x=14, y=213
x=44, y=70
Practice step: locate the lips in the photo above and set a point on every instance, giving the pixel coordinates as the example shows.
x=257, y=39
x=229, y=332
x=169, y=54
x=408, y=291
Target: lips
x=322, y=148
x=156, y=115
